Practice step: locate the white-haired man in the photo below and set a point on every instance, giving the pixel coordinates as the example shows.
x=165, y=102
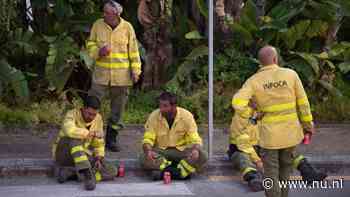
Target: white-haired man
x=113, y=45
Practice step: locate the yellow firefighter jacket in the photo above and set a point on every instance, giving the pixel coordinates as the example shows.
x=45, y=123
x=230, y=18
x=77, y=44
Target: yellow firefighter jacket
x=280, y=95
x=123, y=60
x=74, y=126
x=181, y=135
x=244, y=135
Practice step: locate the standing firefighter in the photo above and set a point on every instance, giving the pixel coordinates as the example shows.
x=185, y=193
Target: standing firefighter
x=244, y=151
x=113, y=45
x=171, y=142
x=280, y=95
x=80, y=145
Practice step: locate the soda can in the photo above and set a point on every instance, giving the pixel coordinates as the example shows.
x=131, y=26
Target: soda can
x=121, y=170
x=307, y=139
x=166, y=178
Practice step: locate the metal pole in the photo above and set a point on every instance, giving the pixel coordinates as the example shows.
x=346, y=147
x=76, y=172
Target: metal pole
x=210, y=81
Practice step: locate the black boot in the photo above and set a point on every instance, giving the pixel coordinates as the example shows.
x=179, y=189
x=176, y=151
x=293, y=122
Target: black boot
x=111, y=139
x=308, y=173
x=254, y=181
x=88, y=179
x=231, y=149
x=64, y=174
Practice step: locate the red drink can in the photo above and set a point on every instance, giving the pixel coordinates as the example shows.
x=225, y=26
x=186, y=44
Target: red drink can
x=166, y=178
x=307, y=138
x=121, y=170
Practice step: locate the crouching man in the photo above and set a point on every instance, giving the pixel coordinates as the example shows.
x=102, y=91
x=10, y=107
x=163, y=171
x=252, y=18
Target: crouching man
x=245, y=156
x=80, y=148
x=171, y=142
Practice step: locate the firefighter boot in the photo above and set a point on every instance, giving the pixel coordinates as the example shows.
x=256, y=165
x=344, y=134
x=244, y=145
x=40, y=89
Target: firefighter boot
x=111, y=139
x=64, y=174
x=88, y=179
x=308, y=173
x=254, y=181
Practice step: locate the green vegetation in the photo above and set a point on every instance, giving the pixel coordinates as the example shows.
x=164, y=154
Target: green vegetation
x=38, y=68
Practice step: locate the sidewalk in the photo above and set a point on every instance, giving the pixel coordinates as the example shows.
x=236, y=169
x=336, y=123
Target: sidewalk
x=26, y=151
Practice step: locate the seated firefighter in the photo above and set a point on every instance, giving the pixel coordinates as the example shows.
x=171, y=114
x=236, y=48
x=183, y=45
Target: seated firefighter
x=171, y=142
x=80, y=144
x=244, y=151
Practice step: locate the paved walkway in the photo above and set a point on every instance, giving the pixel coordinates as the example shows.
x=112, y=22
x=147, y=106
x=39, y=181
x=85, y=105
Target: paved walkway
x=331, y=139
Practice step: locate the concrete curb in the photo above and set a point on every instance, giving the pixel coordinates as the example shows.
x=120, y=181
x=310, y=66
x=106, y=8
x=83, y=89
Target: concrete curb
x=217, y=166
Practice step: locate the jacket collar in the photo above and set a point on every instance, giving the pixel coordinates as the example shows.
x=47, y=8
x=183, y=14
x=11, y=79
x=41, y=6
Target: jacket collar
x=177, y=117
x=122, y=21
x=268, y=67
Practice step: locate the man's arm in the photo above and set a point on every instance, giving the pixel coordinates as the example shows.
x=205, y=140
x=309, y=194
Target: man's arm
x=193, y=139
x=149, y=138
x=303, y=106
x=71, y=130
x=98, y=142
x=241, y=100
x=91, y=43
x=134, y=55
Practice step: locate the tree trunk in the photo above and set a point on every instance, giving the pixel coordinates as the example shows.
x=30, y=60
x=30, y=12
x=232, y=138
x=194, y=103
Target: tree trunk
x=260, y=9
x=155, y=17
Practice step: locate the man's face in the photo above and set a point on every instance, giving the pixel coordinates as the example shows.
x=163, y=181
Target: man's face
x=89, y=114
x=109, y=14
x=166, y=109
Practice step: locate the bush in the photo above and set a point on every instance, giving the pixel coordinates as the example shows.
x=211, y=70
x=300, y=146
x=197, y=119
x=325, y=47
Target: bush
x=332, y=110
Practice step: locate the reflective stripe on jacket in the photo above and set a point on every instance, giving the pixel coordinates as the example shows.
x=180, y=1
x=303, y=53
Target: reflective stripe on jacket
x=278, y=93
x=181, y=135
x=124, y=58
x=74, y=126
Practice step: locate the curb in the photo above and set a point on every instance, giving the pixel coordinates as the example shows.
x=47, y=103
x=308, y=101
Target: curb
x=218, y=165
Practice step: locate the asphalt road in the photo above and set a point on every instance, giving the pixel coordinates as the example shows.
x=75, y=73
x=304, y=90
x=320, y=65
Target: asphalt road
x=140, y=186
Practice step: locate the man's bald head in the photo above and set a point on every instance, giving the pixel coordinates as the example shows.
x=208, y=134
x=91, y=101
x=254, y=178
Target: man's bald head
x=268, y=55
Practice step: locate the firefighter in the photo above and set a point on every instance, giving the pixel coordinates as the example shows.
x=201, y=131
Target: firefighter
x=79, y=147
x=244, y=152
x=171, y=142
x=113, y=45
x=279, y=94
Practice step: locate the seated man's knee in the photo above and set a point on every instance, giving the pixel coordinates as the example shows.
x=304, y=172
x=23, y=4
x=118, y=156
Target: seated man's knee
x=203, y=156
x=75, y=142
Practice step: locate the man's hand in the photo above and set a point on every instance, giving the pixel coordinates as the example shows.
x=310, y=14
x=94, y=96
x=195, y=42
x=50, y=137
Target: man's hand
x=310, y=130
x=150, y=155
x=105, y=50
x=259, y=165
x=259, y=115
x=98, y=134
x=91, y=134
x=134, y=77
x=194, y=155
x=98, y=162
